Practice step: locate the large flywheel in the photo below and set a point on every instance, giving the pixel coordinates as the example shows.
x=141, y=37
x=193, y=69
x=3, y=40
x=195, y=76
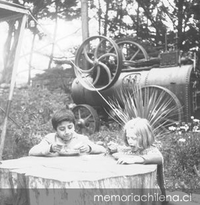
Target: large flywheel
x=132, y=51
x=98, y=63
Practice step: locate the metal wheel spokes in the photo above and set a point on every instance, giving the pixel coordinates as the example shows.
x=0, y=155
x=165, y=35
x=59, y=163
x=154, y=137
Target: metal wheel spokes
x=132, y=51
x=165, y=105
x=97, y=66
x=87, y=120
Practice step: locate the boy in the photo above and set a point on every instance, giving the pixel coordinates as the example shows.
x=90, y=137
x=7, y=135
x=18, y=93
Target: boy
x=65, y=139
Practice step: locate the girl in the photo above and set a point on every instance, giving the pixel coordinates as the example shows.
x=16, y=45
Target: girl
x=140, y=148
x=65, y=141
x=139, y=140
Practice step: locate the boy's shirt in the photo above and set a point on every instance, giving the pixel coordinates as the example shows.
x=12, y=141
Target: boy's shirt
x=43, y=148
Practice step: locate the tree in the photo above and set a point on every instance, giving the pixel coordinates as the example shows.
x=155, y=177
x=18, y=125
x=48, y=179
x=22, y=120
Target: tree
x=55, y=78
x=63, y=9
x=55, y=10
x=9, y=49
x=151, y=20
x=143, y=19
x=148, y=20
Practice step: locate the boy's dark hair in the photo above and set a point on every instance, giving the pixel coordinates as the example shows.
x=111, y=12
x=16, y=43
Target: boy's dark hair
x=62, y=115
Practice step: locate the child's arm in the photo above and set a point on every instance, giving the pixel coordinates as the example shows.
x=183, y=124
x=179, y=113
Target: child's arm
x=114, y=147
x=97, y=149
x=41, y=149
x=154, y=156
x=130, y=160
x=94, y=148
x=44, y=148
x=88, y=146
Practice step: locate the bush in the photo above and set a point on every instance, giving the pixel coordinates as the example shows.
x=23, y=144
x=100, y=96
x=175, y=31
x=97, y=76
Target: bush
x=181, y=150
x=31, y=112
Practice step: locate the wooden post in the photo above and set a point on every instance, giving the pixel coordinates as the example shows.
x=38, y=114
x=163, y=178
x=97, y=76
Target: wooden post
x=84, y=17
x=85, y=30
x=54, y=38
x=166, y=42
x=30, y=59
x=12, y=85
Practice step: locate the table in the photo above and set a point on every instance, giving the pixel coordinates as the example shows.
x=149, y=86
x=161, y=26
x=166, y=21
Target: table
x=73, y=180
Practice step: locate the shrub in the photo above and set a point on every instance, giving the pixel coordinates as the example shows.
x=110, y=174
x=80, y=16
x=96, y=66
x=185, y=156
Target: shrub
x=31, y=111
x=181, y=150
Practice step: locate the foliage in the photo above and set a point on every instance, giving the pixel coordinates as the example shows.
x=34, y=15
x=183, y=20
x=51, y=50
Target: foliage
x=66, y=9
x=151, y=102
x=151, y=20
x=181, y=150
x=147, y=20
x=47, y=9
x=31, y=111
x=182, y=156
x=182, y=127
x=55, y=78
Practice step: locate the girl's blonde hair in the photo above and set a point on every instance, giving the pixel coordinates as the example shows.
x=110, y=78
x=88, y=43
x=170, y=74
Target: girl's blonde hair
x=142, y=129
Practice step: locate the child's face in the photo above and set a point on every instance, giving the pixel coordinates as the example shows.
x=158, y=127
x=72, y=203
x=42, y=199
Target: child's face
x=65, y=130
x=132, y=139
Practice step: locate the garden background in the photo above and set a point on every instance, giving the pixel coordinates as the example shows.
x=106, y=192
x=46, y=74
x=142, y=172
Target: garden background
x=149, y=22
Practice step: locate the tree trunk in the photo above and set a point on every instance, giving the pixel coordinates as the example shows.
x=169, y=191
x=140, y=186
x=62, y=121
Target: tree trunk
x=54, y=38
x=9, y=51
x=180, y=24
x=84, y=18
x=99, y=16
x=106, y=18
x=79, y=180
x=30, y=59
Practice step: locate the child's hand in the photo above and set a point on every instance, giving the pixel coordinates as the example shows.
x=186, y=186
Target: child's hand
x=55, y=148
x=117, y=155
x=112, y=147
x=83, y=148
x=130, y=160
